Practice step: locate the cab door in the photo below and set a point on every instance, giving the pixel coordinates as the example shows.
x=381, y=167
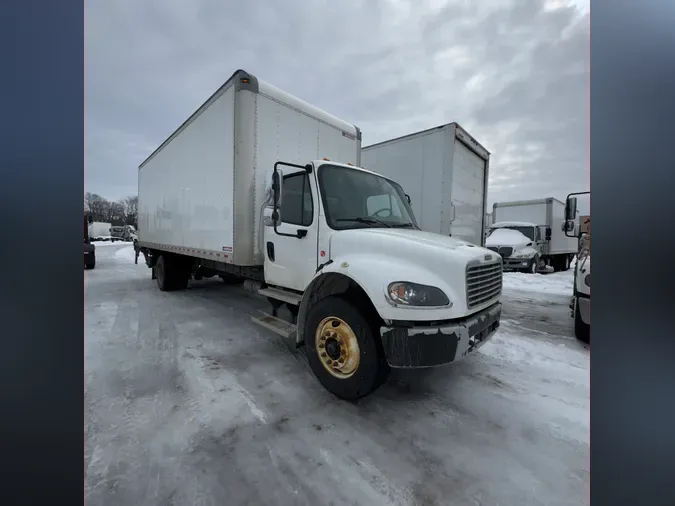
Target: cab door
x=290, y=261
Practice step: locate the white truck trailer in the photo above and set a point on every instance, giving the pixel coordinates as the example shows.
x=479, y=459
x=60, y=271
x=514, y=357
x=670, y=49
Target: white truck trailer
x=445, y=172
x=529, y=235
x=100, y=231
x=244, y=189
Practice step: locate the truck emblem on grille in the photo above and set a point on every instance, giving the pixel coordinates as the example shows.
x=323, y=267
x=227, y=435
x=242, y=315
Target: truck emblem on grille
x=487, y=257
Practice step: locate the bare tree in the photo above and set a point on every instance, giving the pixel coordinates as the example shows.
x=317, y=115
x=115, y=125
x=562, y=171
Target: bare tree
x=116, y=215
x=131, y=210
x=123, y=212
x=97, y=206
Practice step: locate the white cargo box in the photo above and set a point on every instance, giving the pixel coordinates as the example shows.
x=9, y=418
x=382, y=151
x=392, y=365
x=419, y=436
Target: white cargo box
x=201, y=192
x=445, y=172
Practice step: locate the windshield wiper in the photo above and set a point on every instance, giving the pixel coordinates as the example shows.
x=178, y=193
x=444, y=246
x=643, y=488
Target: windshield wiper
x=366, y=219
x=404, y=225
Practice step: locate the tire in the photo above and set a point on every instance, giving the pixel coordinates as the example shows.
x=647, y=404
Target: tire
x=561, y=263
x=371, y=368
x=556, y=263
x=533, y=268
x=582, y=330
x=90, y=265
x=171, y=274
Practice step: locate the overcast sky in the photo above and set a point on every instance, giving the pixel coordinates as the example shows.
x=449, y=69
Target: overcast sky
x=514, y=73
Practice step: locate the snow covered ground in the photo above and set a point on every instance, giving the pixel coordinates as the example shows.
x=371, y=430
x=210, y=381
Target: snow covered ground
x=557, y=283
x=109, y=243
x=188, y=402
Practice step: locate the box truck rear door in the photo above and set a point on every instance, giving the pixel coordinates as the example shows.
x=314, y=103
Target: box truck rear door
x=467, y=194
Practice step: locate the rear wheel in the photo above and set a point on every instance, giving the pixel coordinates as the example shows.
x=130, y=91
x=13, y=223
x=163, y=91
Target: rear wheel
x=582, y=330
x=561, y=263
x=91, y=263
x=344, y=349
x=171, y=274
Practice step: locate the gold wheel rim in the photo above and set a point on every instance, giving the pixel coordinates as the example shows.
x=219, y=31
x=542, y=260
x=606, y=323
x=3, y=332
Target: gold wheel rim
x=337, y=347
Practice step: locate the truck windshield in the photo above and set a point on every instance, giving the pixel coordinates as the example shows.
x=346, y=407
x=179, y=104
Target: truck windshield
x=356, y=199
x=526, y=231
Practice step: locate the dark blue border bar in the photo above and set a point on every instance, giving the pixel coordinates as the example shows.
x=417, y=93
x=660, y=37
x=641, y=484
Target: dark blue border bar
x=632, y=184
x=42, y=299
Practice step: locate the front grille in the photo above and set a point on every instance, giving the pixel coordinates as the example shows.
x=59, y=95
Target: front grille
x=505, y=251
x=483, y=283
x=494, y=248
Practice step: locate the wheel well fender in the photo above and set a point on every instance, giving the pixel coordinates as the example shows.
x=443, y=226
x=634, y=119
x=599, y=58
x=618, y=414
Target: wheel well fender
x=329, y=284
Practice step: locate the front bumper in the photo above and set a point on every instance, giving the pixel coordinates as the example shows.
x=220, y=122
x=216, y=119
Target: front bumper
x=414, y=347
x=516, y=263
x=584, y=308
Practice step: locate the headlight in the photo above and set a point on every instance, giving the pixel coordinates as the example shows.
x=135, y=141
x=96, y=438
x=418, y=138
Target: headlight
x=412, y=294
x=587, y=280
x=523, y=255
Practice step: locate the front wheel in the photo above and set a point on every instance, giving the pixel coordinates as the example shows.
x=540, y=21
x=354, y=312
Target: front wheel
x=344, y=349
x=533, y=268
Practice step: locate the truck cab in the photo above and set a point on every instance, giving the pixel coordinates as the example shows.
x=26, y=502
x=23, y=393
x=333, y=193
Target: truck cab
x=519, y=244
x=580, y=303
x=342, y=244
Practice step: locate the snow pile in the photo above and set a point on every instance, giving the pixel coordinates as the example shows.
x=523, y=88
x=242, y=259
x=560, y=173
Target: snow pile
x=558, y=283
x=104, y=244
x=506, y=237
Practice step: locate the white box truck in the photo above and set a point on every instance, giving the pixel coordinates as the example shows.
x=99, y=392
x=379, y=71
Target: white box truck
x=247, y=189
x=529, y=235
x=445, y=172
x=100, y=231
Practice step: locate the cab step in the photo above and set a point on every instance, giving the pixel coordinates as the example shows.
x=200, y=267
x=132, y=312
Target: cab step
x=276, y=325
x=286, y=296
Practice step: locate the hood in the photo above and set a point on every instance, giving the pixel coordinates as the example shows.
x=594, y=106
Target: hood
x=394, y=254
x=507, y=237
x=397, y=241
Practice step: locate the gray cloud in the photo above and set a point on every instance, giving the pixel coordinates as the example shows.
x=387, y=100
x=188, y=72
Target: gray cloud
x=512, y=72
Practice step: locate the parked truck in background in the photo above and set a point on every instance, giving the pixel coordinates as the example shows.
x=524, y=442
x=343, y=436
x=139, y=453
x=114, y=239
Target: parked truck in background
x=261, y=188
x=100, y=231
x=580, y=303
x=529, y=235
x=89, y=248
x=445, y=172
x=123, y=232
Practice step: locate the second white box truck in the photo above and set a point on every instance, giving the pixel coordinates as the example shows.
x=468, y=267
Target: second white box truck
x=529, y=235
x=445, y=172
x=247, y=189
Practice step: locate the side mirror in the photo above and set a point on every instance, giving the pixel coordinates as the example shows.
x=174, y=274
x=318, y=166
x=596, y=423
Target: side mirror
x=571, y=209
x=548, y=233
x=277, y=187
x=277, y=192
x=568, y=226
x=407, y=197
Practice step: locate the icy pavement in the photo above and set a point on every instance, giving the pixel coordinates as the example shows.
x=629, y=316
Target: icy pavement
x=188, y=402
